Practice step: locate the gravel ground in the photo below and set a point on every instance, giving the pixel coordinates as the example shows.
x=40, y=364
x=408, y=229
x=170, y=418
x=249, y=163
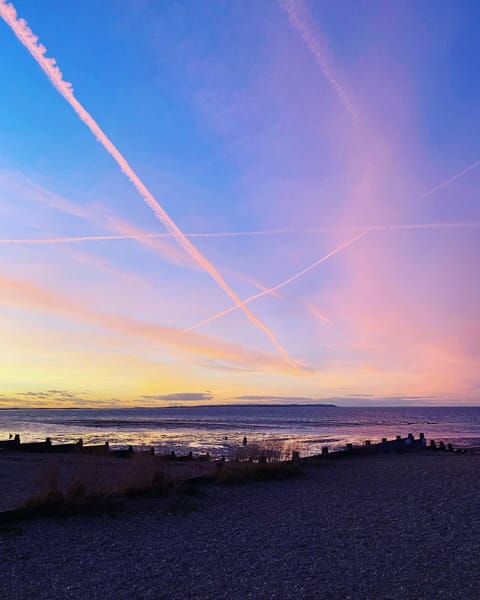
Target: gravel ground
x=401, y=526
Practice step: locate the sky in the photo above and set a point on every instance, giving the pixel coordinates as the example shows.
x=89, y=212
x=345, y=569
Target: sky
x=239, y=202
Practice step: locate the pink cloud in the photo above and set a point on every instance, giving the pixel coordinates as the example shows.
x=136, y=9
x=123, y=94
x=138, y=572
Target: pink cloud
x=21, y=294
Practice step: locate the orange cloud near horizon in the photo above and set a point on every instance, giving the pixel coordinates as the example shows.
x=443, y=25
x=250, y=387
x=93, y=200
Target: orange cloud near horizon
x=22, y=294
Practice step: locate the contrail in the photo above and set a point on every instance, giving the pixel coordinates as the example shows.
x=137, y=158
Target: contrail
x=332, y=253
x=51, y=70
x=318, y=315
x=462, y=224
x=283, y=283
x=301, y=22
x=14, y=292
x=98, y=217
x=227, y=234
x=451, y=179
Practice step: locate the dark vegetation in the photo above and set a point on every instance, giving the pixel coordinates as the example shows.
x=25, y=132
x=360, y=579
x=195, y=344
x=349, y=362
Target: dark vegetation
x=83, y=496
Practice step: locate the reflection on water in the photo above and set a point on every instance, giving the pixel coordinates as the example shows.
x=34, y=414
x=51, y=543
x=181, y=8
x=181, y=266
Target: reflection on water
x=216, y=428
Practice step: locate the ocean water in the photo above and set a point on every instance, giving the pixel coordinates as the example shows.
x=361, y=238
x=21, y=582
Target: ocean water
x=217, y=429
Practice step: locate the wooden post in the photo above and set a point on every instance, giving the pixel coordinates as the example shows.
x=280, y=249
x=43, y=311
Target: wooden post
x=442, y=445
x=324, y=450
x=295, y=456
x=433, y=445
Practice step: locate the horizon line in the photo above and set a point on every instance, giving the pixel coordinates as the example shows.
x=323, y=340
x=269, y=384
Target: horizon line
x=237, y=405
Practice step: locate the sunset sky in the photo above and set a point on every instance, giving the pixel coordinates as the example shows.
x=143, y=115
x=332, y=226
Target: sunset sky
x=336, y=141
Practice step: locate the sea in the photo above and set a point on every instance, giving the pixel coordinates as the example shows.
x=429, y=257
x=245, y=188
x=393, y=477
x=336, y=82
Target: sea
x=220, y=429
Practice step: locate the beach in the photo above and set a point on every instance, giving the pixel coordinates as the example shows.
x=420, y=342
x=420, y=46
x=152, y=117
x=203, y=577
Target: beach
x=387, y=526
x=239, y=300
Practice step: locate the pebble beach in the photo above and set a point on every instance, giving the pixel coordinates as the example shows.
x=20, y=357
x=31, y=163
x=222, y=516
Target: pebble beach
x=386, y=527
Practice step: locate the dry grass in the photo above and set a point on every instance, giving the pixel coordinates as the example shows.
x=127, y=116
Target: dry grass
x=98, y=476
x=96, y=485
x=271, y=451
x=86, y=485
x=92, y=484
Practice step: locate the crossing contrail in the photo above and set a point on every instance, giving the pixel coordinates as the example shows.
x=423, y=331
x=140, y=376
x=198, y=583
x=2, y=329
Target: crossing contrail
x=227, y=234
x=52, y=71
x=301, y=22
x=365, y=231
x=283, y=283
x=15, y=292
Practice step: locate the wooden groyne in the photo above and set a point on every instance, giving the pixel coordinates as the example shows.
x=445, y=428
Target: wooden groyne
x=398, y=445
x=14, y=444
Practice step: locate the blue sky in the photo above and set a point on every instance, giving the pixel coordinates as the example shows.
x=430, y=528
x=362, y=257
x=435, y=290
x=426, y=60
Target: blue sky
x=323, y=118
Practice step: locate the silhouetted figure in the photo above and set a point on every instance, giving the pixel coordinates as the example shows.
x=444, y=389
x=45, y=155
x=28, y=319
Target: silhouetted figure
x=244, y=442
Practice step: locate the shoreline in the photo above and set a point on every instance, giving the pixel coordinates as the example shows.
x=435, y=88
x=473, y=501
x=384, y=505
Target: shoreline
x=217, y=429
x=30, y=472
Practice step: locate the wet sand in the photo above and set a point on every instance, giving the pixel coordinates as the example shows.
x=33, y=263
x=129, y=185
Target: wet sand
x=379, y=527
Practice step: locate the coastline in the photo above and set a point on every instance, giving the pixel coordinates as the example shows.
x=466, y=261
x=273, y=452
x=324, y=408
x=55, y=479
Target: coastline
x=218, y=430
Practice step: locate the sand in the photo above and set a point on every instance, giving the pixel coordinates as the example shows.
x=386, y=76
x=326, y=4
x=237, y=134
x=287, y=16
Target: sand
x=396, y=526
